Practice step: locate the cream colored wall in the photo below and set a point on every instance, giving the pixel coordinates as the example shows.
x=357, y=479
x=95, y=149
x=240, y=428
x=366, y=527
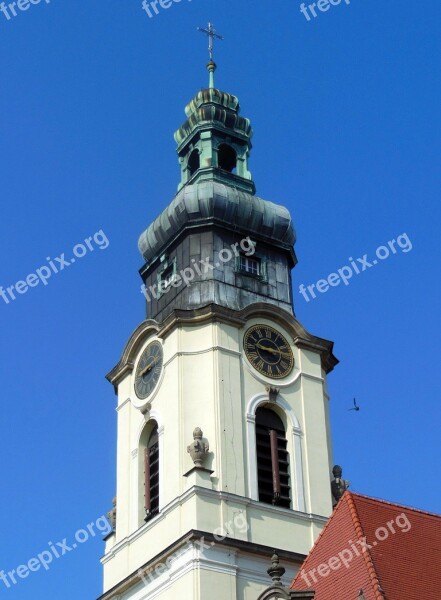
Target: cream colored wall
x=213, y=572
x=207, y=383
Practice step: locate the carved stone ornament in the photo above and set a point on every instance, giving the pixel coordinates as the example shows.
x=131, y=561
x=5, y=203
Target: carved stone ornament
x=199, y=449
x=276, y=571
x=338, y=485
x=111, y=515
x=277, y=591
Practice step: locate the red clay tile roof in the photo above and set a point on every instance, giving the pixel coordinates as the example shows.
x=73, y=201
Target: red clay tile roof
x=402, y=562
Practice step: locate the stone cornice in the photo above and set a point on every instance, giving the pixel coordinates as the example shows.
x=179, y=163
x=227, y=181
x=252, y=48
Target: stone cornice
x=214, y=313
x=192, y=536
x=211, y=495
x=125, y=364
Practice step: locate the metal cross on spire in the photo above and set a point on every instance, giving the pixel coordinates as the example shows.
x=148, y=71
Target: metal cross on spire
x=212, y=35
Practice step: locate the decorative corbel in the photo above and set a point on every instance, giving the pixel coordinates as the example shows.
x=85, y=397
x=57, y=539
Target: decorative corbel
x=273, y=393
x=146, y=411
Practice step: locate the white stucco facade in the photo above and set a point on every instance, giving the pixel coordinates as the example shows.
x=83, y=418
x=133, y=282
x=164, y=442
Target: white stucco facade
x=207, y=382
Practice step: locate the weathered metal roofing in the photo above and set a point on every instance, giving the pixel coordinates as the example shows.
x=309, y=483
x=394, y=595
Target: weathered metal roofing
x=213, y=107
x=213, y=202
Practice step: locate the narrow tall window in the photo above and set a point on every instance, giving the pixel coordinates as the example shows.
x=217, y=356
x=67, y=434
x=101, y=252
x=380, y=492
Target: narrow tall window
x=272, y=459
x=167, y=278
x=151, y=475
x=194, y=162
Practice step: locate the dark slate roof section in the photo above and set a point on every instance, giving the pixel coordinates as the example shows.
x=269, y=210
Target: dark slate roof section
x=215, y=203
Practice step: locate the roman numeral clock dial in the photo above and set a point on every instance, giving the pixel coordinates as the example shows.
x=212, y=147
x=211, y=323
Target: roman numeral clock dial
x=268, y=351
x=148, y=370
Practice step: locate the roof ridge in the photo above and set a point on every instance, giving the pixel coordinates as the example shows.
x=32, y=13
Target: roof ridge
x=395, y=504
x=349, y=497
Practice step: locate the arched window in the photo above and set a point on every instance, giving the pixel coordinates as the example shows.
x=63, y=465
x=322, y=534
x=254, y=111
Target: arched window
x=272, y=459
x=226, y=158
x=194, y=162
x=150, y=449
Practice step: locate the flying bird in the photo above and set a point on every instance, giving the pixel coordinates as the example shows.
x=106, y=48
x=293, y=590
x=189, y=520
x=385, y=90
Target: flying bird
x=355, y=406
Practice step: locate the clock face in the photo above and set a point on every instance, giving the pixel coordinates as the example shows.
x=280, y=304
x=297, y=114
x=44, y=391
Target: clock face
x=268, y=351
x=148, y=370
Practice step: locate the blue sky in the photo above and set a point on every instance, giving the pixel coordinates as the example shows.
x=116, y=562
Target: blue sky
x=345, y=110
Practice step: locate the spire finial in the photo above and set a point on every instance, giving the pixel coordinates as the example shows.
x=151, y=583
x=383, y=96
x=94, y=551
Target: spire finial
x=275, y=571
x=211, y=33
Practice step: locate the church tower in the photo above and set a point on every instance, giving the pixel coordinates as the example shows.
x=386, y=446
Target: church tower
x=224, y=449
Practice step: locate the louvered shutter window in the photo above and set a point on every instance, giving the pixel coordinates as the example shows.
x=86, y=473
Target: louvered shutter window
x=151, y=476
x=272, y=459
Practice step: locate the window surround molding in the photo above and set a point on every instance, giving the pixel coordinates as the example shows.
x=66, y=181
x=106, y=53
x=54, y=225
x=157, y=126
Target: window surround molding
x=294, y=436
x=136, y=482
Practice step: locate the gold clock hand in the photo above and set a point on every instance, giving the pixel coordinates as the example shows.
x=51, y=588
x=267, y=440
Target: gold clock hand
x=273, y=351
x=261, y=347
x=149, y=367
x=266, y=348
x=284, y=354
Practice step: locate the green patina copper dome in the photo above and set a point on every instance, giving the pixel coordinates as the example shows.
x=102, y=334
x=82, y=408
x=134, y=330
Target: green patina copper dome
x=213, y=213
x=214, y=107
x=215, y=141
x=215, y=203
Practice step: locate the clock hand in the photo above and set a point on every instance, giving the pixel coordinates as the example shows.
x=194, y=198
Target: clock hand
x=266, y=348
x=144, y=371
x=273, y=351
x=148, y=368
